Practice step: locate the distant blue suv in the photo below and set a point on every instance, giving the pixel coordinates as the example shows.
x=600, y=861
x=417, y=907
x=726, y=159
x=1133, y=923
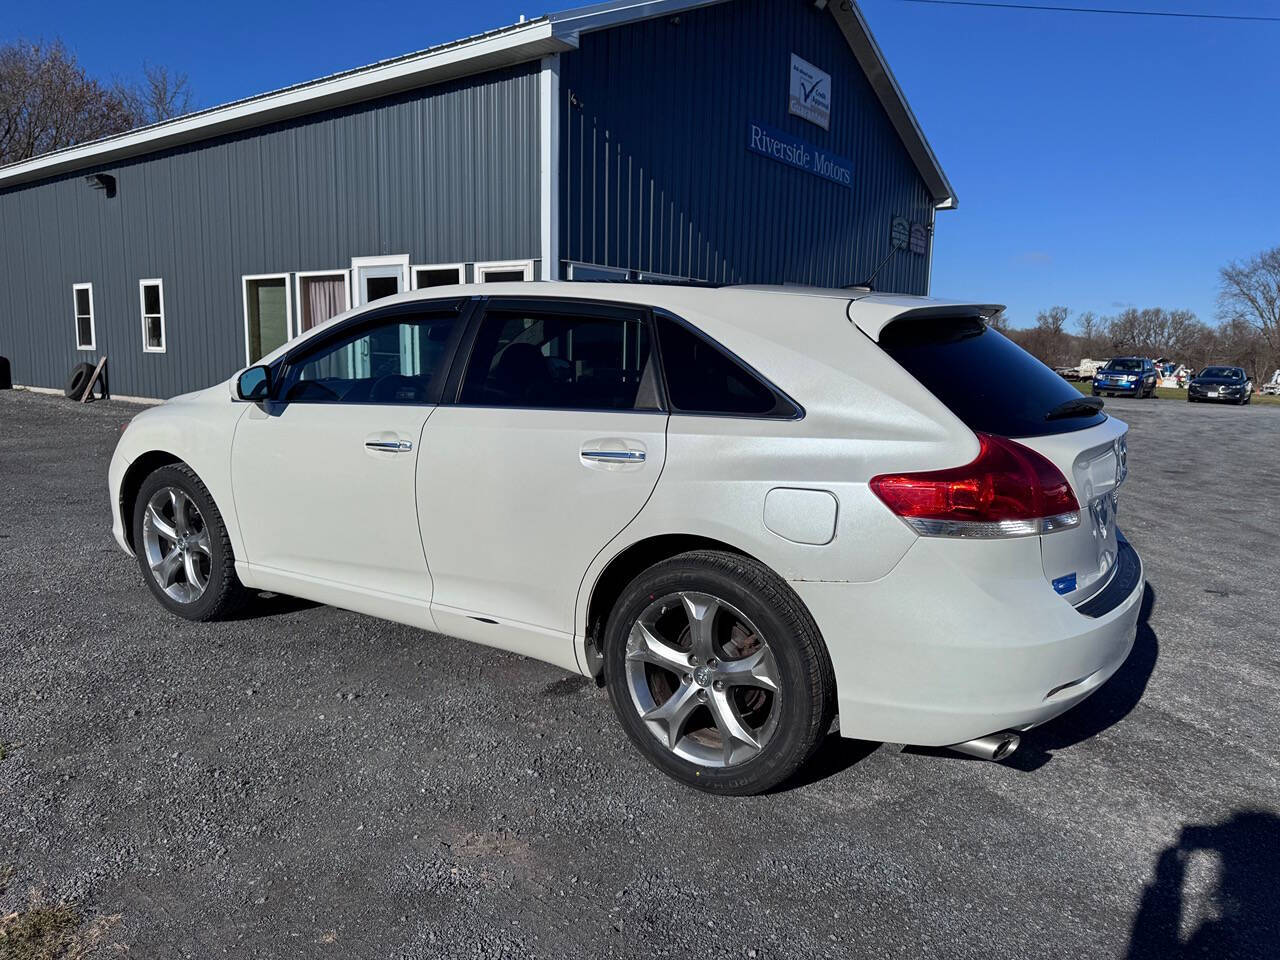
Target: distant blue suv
x=1132, y=376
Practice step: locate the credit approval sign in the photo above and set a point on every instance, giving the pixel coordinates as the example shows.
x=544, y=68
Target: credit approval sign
x=810, y=96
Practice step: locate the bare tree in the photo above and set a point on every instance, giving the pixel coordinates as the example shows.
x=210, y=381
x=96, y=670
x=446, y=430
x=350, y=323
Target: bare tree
x=161, y=95
x=48, y=102
x=1089, y=328
x=1250, y=292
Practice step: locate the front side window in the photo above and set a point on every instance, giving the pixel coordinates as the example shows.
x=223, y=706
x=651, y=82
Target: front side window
x=394, y=360
x=702, y=378
x=86, y=335
x=563, y=361
x=151, y=295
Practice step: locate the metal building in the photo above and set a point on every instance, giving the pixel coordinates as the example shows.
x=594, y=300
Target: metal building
x=732, y=141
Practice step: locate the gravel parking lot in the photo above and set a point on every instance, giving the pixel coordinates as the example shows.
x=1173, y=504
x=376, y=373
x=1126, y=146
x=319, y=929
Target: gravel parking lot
x=308, y=782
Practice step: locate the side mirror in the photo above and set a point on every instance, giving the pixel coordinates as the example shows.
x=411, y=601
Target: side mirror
x=254, y=384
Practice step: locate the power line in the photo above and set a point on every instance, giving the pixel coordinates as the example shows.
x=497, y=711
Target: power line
x=1126, y=13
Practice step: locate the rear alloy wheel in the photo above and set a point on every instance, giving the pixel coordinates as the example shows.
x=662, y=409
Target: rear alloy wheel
x=717, y=672
x=182, y=545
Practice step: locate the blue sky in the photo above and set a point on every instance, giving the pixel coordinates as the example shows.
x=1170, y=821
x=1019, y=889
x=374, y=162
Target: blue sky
x=1100, y=161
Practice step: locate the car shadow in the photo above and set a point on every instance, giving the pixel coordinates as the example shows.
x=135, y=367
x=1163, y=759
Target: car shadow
x=263, y=604
x=1237, y=918
x=1110, y=704
x=835, y=754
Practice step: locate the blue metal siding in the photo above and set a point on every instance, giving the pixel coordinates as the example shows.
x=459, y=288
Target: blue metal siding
x=444, y=174
x=656, y=174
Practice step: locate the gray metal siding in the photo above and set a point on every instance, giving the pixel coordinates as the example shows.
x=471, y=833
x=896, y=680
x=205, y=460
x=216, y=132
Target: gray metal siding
x=656, y=174
x=444, y=174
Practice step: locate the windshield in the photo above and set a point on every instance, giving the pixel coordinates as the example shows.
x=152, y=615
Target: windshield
x=1125, y=364
x=1224, y=373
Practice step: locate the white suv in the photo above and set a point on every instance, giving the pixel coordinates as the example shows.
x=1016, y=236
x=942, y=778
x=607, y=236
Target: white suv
x=747, y=510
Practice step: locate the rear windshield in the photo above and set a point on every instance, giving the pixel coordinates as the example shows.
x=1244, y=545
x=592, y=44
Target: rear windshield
x=1126, y=365
x=986, y=379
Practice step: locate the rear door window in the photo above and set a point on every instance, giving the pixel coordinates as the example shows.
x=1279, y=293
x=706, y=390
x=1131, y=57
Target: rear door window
x=986, y=379
x=561, y=360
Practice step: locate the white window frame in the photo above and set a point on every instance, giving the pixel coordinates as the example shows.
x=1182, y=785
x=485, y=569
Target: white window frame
x=142, y=307
x=297, y=295
x=400, y=260
x=92, y=345
x=288, y=307
x=503, y=265
x=461, y=269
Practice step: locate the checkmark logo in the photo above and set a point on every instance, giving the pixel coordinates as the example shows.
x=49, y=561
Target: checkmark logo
x=810, y=90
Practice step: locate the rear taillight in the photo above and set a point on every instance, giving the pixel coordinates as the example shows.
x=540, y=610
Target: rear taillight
x=1008, y=491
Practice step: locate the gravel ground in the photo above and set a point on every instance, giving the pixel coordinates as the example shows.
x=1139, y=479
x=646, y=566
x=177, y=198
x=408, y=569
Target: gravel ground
x=307, y=782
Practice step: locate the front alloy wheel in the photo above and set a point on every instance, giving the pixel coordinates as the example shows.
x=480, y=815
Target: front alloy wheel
x=182, y=545
x=176, y=543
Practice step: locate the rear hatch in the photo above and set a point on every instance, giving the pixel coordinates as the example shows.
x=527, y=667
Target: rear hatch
x=994, y=386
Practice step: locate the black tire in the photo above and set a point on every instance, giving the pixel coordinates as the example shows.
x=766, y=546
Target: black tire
x=223, y=592
x=77, y=381
x=805, y=703
x=1094, y=392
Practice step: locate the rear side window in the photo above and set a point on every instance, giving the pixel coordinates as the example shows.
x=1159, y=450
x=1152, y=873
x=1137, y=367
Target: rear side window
x=986, y=379
x=561, y=361
x=702, y=378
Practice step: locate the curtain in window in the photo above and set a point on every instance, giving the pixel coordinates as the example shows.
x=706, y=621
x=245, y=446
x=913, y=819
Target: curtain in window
x=322, y=299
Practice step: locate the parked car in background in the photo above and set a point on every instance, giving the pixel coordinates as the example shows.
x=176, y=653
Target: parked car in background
x=1272, y=387
x=743, y=526
x=1126, y=376
x=1220, y=384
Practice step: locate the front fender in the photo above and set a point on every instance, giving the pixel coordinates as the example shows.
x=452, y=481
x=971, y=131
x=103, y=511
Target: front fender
x=197, y=429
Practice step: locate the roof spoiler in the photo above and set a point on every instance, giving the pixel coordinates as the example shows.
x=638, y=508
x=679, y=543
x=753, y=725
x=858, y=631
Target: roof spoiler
x=872, y=314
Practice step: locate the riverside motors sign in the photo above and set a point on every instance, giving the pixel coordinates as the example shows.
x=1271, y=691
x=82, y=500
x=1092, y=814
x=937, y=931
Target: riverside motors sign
x=794, y=152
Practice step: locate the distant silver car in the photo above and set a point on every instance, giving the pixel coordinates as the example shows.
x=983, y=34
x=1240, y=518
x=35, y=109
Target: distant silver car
x=746, y=509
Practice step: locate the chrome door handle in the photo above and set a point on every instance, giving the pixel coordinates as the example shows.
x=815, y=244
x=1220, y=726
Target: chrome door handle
x=613, y=456
x=389, y=446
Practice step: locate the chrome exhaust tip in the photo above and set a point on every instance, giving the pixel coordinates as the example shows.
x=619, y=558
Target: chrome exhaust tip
x=994, y=746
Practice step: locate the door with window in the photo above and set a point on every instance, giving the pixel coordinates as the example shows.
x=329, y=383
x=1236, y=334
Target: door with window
x=378, y=277
x=323, y=473
x=555, y=443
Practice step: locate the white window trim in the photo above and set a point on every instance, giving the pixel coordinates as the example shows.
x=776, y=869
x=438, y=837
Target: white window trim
x=400, y=260
x=92, y=345
x=461, y=269
x=549, y=165
x=297, y=293
x=496, y=265
x=142, y=307
x=288, y=307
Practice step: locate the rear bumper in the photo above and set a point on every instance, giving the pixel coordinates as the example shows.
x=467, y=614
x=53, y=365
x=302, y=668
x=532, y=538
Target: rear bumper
x=952, y=645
